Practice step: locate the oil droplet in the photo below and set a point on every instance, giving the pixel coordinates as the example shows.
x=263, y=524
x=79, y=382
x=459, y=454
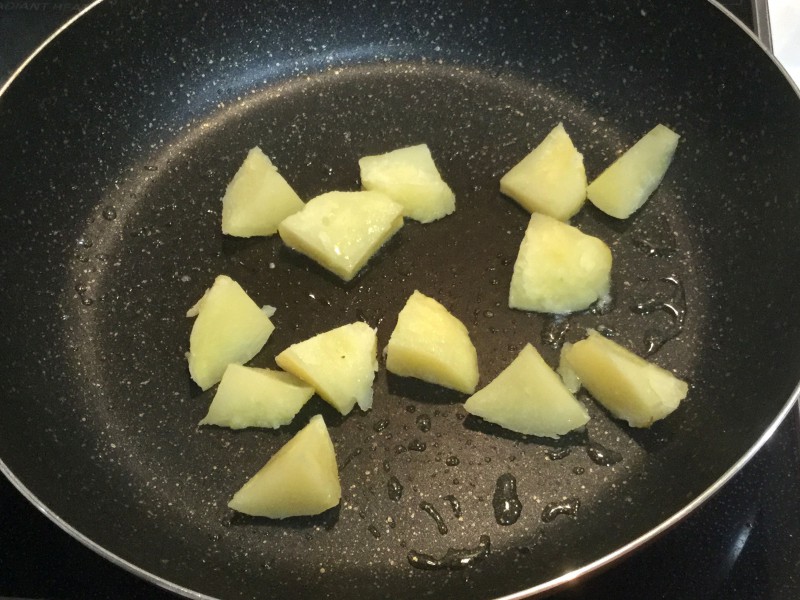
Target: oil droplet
x=150, y=168
x=349, y=458
x=455, y=505
x=395, y=488
x=86, y=301
x=579, y=470
x=488, y=314
x=381, y=425
x=417, y=446
x=506, y=504
x=606, y=331
x=554, y=332
x=603, y=306
x=386, y=466
x=399, y=449
x=563, y=507
x=657, y=239
x=411, y=408
x=84, y=242
x=674, y=307
x=110, y=213
x=654, y=248
x=323, y=301
x=391, y=522
x=437, y=518
x=452, y=461
x=601, y=455
x=80, y=288
x=424, y=423
x=558, y=453
x=374, y=531
x=454, y=558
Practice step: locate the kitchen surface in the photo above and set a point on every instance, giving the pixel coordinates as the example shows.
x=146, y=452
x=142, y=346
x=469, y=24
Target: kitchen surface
x=743, y=543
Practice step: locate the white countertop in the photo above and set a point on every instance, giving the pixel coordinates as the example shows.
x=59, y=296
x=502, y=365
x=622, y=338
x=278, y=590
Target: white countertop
x=784, y=17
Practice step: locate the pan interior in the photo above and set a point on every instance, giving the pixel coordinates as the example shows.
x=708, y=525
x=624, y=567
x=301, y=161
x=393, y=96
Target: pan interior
x=135, y=274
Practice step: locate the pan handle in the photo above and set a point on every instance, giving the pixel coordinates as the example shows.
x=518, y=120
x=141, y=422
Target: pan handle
x=761, y=25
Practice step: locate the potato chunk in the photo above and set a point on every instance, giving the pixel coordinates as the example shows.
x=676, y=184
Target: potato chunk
x=431, y=344
x=559, y=269
x=528, y=397
x=339, y=364
x=342, y=230
x=623, y=187
x=250, y=397
x=551, y=179
x=230, y=328
x=409, y=177
x=257, y=199
x=302, y=478
x=630, y=387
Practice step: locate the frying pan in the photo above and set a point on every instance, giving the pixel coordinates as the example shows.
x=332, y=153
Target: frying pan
x=117, y=141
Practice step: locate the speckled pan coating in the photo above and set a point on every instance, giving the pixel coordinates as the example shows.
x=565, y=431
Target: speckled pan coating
x=115, y=148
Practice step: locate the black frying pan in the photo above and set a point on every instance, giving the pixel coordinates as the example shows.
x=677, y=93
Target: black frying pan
x=117, y=142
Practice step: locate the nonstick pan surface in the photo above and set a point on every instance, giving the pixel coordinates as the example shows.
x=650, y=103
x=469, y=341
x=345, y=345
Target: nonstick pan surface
x=117, y=142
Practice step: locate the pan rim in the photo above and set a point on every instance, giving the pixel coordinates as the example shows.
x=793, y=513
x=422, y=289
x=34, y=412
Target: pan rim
x=795, y=85
x=603, y=562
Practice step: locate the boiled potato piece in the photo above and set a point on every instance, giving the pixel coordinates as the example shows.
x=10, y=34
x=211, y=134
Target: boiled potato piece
x=570, y=378
x=339, y=364
x=301, y=479
x=250, y=397
x=528, y=397
x=431, y=344
x=342, y=230
x=551, y=179
x=410, y=178
x=559, y=269
x=258, y=198
x=623, y=187
x=630, y=387
x=230, y=328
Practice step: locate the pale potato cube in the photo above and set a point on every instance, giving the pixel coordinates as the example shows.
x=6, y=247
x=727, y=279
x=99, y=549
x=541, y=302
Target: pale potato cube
x=528, y=397
x=431, y=344
x=342, y=230
x=630, y=387
x=257, y=199
x=250, y=397
x=339, y=364
x=551, y=179
x=623, y=187
x=559, y=269
x=230, y=328
x=301, y=479
x=570, y=378
x=410, y=178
